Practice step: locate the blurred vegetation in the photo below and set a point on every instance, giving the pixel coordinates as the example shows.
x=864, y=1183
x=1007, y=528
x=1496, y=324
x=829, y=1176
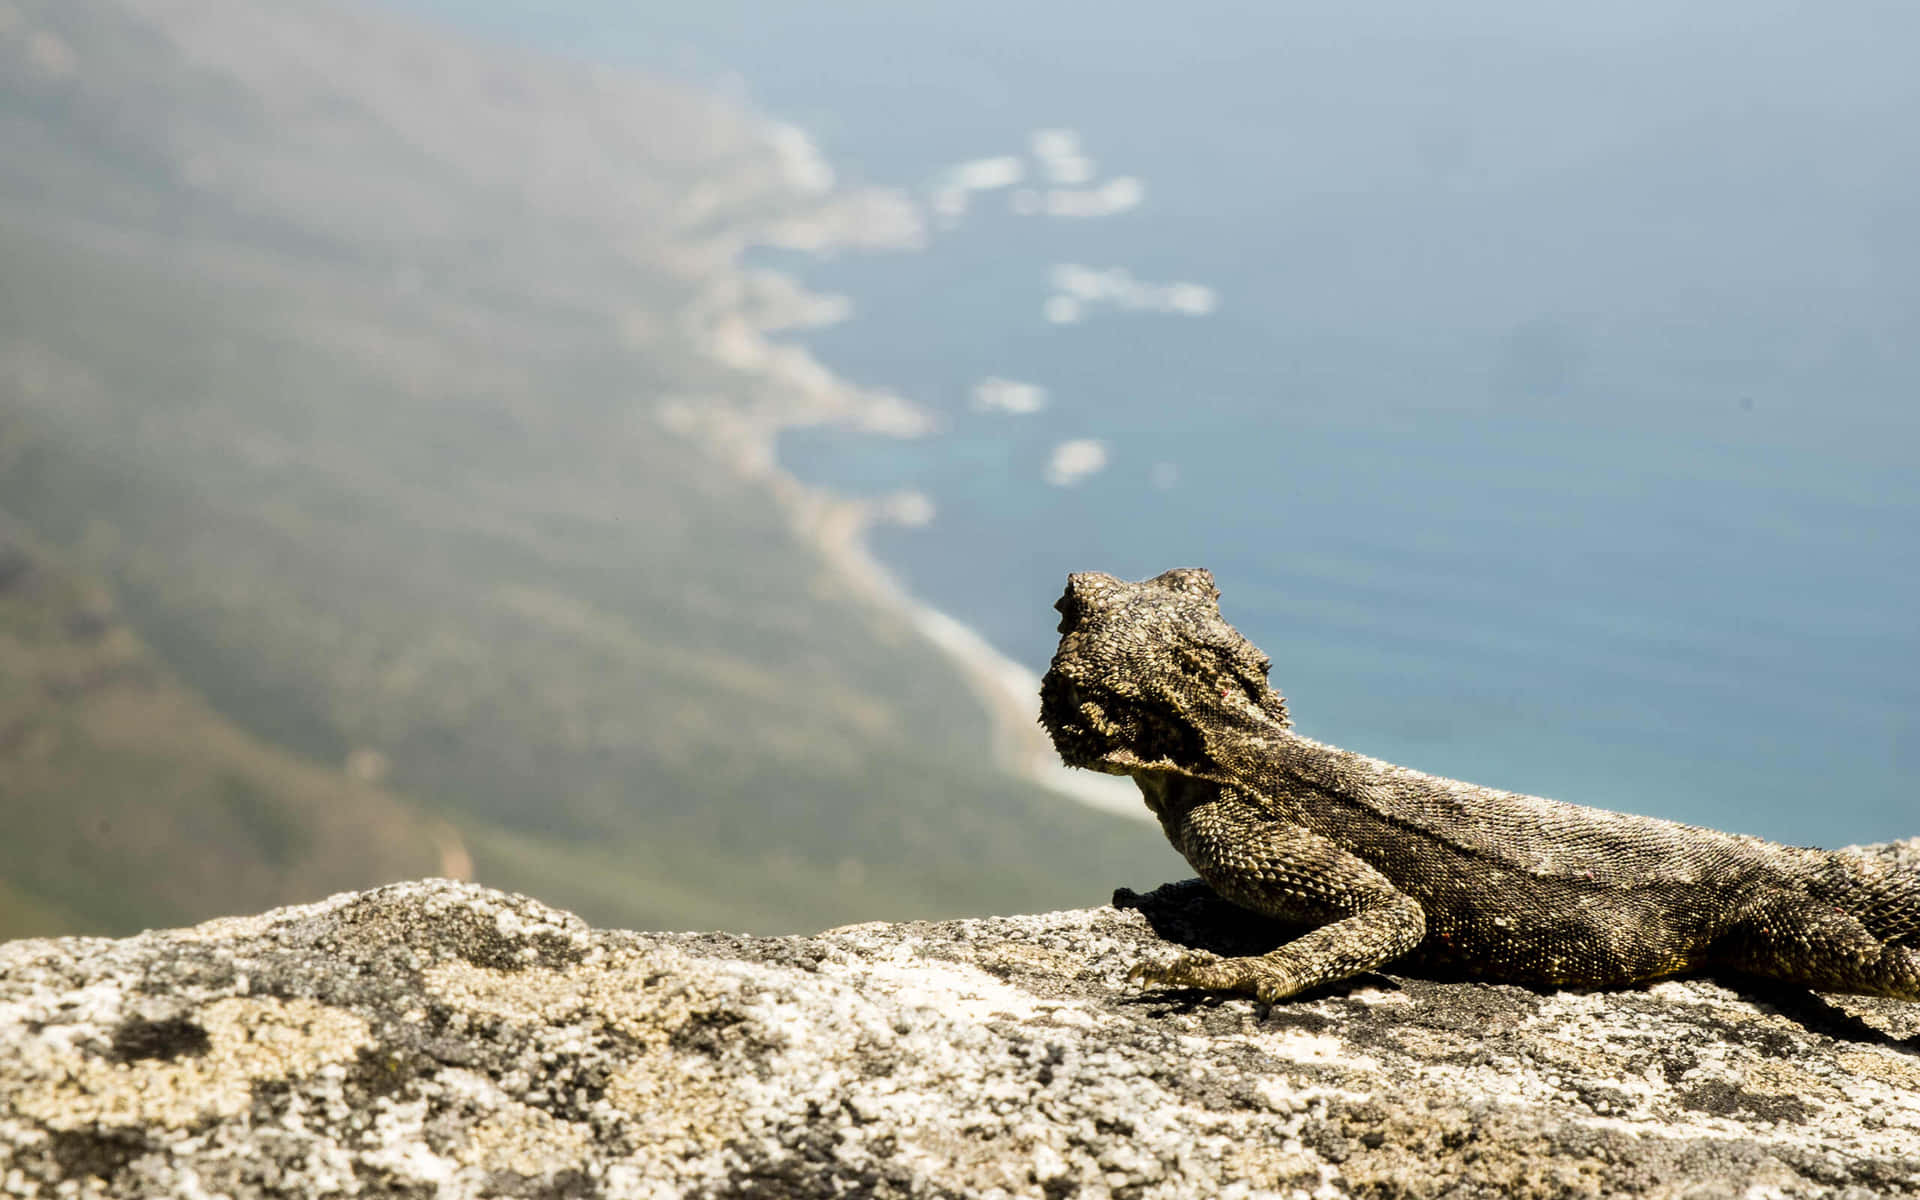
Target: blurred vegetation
x=130, y=804
x=401, y=502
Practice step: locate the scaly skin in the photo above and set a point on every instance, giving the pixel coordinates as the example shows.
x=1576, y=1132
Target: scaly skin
x=1386, y=862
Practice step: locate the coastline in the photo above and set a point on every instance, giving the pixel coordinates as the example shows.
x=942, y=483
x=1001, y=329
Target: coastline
x=1007, y=690
x=836, y=528
x=729, y=325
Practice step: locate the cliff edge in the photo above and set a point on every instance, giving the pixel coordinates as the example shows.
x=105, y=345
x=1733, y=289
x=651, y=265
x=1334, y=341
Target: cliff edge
x=443, y=1039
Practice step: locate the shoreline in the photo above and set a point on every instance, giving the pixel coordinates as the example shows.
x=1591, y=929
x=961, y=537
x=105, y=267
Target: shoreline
x=1008, y=691
x=836, y=526
x=729, y=324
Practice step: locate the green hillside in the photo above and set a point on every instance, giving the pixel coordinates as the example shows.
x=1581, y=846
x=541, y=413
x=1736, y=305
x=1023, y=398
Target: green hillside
x=130, y=804
x=358, y=423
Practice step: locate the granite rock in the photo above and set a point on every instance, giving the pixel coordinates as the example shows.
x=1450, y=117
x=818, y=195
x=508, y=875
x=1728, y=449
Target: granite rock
x=443, y=1039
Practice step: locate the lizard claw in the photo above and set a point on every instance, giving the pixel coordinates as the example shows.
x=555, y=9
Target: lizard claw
x=1199, y=969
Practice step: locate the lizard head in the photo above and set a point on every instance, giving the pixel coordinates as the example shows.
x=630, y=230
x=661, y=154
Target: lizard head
x=1148, y=675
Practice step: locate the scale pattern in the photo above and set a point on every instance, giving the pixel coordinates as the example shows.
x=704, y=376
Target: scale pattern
x=1385, y=862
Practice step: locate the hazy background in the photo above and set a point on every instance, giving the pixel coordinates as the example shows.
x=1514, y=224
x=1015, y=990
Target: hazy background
x=444, y=436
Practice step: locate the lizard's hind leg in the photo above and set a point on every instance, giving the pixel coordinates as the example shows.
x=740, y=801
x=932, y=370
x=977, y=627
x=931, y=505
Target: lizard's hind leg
x=1806, y=940
x=1885, y=898
x=1892, y=913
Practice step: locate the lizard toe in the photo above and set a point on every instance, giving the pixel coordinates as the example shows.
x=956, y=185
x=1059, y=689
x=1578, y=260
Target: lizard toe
x=1197, y=970
x=1273, y=988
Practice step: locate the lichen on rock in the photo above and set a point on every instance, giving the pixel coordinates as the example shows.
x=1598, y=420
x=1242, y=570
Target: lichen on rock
x=442, y=1039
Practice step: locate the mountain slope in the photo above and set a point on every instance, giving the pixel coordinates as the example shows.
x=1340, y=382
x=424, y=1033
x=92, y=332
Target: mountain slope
x=338, y=349
x=130, y=804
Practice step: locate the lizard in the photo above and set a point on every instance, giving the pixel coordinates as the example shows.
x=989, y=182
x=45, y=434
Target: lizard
x=1386, y=863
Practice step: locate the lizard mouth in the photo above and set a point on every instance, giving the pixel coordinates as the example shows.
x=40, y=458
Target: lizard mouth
x=1085, y=733
x=1060, y=713
x=1074, y=721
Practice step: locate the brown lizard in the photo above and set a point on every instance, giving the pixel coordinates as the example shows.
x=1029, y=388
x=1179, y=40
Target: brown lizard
x=1150, y=681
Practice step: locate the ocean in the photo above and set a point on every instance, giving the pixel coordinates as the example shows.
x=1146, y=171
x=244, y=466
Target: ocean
x=1540, y=388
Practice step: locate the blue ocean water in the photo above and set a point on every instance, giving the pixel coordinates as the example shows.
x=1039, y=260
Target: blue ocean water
x=1556, y=424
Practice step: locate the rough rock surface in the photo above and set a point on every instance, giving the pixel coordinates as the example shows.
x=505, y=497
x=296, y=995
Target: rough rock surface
x=441, y=1039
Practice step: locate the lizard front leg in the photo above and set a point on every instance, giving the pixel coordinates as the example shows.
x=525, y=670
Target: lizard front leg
x=1293, y=874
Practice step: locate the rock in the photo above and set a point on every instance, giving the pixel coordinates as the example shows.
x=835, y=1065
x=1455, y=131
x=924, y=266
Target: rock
x=442, y=1039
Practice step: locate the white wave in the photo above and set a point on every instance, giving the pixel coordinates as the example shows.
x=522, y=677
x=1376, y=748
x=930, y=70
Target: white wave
x=953, y=194
x=1073, y=170
x=1051, y=144
x=1110, y=198
x=1008, y=396
x=1075, y=460
x=987, y=174
x=1012, y=692
x=1088, y=287
x=800, y=160
x=1063, y=310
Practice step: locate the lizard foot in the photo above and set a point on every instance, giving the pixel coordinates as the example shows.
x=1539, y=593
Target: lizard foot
x=1256, y=977
x=1168, y=969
